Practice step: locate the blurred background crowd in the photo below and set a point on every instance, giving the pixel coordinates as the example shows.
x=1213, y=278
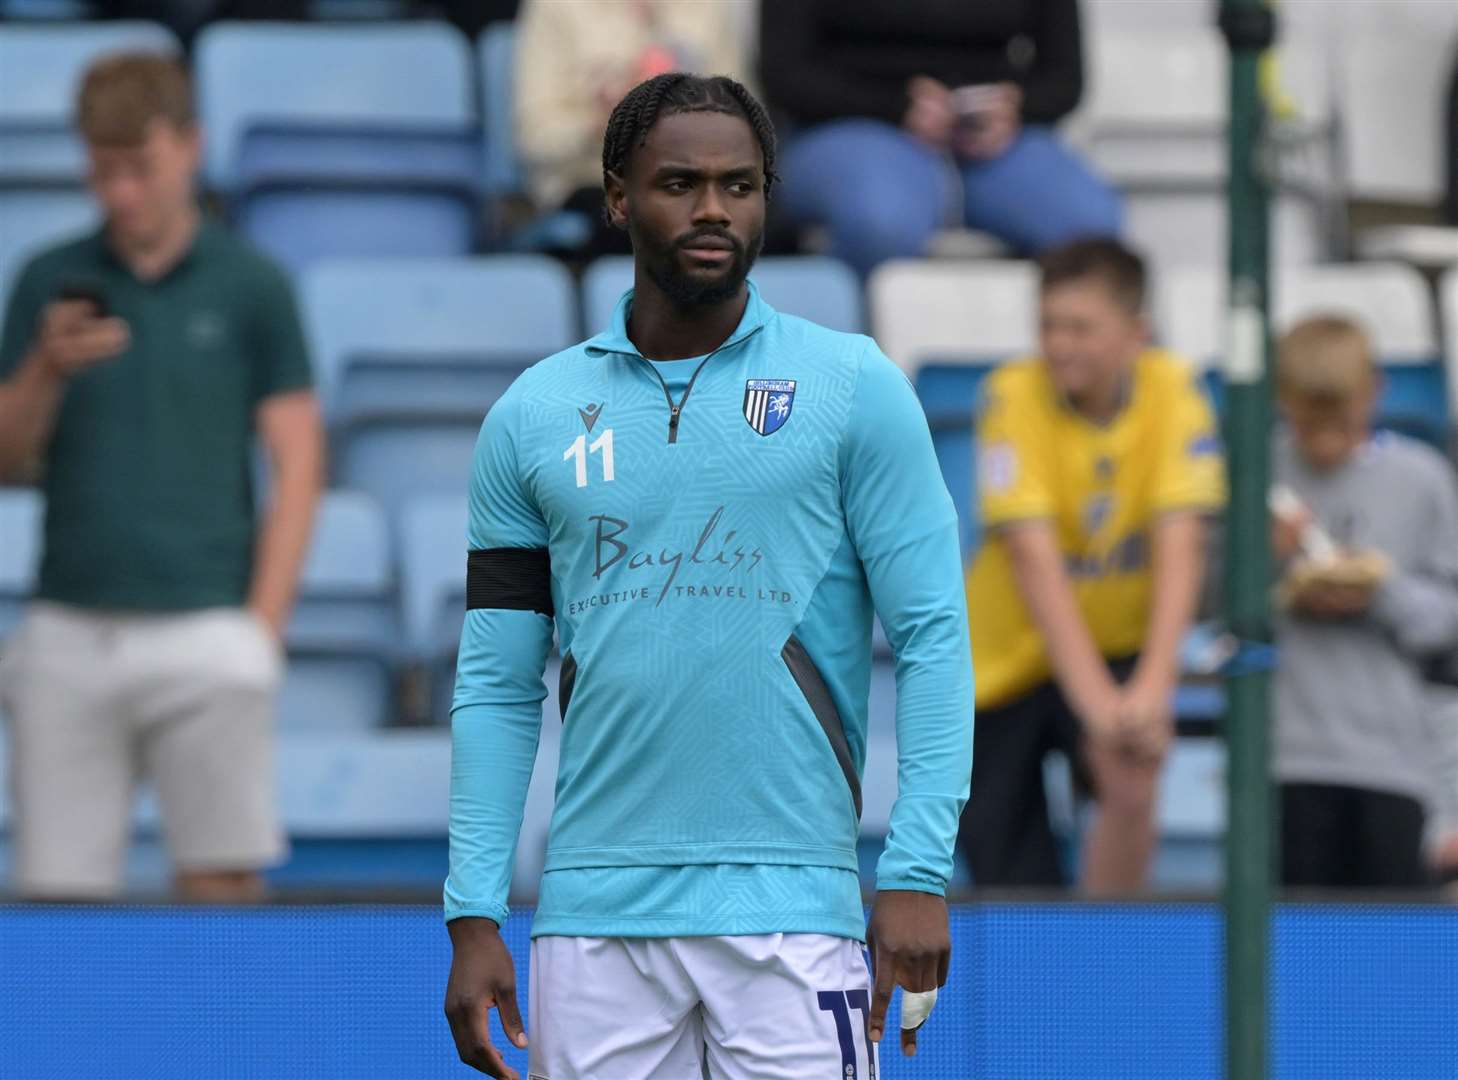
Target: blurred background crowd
x=397, y=207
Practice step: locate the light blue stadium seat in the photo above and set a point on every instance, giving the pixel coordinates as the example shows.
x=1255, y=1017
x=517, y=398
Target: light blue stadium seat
x=382, y=157
x=948, y=389
x=505, y=176
x=21, y=512
x=814, y=287
x=41, y=66
x=433, y=596
x=412, y=354
x=433, y=588
x=32, y=220
x=343, y=638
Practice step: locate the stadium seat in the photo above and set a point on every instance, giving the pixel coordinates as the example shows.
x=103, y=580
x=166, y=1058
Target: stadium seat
x=41, y=66
x=947, y=324
x=382, y=157
x=33, y=220
x=814, y=287
x=1155, y=125
x=1448, y=319
x=343, y=637
x=1390, y=300
x=1393, y=84
x=433, y=589
x=413, y=352
x=21, y=511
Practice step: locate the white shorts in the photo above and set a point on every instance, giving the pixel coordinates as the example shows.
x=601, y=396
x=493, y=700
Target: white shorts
x=752, y=1007
x=99, y=700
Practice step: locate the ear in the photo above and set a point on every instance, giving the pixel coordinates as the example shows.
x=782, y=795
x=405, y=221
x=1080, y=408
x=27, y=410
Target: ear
x=1145, y=330
x=615, y=192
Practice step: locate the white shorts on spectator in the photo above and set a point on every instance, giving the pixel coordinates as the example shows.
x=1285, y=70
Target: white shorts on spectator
x=100, y=700
x=750, y=1007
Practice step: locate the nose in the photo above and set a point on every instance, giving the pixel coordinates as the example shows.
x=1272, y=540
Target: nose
x=710, y=208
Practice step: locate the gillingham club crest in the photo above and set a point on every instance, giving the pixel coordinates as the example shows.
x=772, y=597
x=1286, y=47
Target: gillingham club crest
x=767, y=403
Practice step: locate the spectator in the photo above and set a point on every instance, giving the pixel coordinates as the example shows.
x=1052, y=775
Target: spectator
x=1367, y=536
x=1097, y=462
x=899, y=101
x=138, y=363
x=576, y=59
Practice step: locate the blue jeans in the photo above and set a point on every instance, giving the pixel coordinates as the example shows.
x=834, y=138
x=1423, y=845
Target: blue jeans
x=883, y=193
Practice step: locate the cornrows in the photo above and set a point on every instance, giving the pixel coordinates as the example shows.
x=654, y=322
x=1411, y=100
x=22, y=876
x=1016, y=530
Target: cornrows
x=678, y=92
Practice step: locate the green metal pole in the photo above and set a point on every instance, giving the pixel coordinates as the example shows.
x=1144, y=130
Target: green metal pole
x=1250, y=828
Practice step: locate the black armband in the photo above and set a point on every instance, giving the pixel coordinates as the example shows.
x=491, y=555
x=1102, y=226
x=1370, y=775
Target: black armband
x=514, y=579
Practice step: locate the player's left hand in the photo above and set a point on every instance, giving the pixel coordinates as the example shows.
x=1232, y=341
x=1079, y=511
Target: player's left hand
x=1146, y=717
x=910, y=942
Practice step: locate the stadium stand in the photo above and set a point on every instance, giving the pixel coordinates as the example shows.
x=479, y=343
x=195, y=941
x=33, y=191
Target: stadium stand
x=1448, y=317
x=946, y=324
x=32, y=219
x=562, y=230
x=814, y=287
x=343, y=637
x=1155, y=125
x=40, y=71
x=1391, y=299
x=432, y=532
x=20, y=524
x=412, y=352
x=381, y=158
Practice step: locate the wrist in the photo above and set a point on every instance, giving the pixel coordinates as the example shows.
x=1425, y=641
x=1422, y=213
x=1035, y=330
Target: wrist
x=472, y=927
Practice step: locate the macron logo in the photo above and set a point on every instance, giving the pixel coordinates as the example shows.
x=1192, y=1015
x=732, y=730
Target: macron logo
x=589, y=416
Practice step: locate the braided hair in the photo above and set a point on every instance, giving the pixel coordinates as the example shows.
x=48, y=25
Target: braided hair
x=678, y=92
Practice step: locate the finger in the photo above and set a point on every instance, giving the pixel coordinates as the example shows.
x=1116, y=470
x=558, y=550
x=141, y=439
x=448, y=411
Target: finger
x=511, y=1016
x=885, y=976
x=944, y=966
x=908, y=1041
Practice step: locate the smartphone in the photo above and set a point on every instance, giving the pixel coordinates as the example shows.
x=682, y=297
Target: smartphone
x=89, y=292
x=972, y=104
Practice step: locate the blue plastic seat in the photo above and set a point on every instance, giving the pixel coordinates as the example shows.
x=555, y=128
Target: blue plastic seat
x=814, y=287
x=343, y=638
x=948, y=389
x=33, y=220
x=41, y=67
x=21, y=513
x=381, y=158
x=412, y=353
x=433, y=547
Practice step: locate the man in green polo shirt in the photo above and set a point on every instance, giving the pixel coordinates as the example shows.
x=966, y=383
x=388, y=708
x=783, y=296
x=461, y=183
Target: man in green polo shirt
x=138, y=364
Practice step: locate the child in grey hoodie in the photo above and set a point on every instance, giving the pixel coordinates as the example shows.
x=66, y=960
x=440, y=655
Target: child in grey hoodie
x=1368, y=541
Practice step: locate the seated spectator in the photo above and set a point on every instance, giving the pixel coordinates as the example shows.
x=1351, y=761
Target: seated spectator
x=1098, y=461
x=920, y=114
x=1366, y=534
x=138, y=364
x=576, y=59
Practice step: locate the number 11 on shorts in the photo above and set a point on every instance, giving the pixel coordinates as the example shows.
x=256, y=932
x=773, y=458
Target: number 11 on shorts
x=839, y=1004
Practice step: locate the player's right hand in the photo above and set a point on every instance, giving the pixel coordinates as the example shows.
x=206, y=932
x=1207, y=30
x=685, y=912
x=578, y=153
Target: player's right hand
x=71, y=338
x=482, y=976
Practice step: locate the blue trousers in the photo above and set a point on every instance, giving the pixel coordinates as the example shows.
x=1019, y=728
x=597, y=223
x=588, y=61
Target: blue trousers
x=883, y=193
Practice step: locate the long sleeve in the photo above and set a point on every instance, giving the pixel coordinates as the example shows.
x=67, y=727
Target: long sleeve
x=1053, y=85
x=798, y=76
x=904, y=528
x=1419, y=606
x=497, y=710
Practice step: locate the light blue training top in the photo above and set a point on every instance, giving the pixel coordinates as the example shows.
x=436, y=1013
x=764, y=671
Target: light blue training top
x=719, y=532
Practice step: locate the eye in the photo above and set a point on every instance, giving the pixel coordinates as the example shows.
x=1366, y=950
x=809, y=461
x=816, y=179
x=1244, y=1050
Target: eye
x=677, y=187
x=742, y=187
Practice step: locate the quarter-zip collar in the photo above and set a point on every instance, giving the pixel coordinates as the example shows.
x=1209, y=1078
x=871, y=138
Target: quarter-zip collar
x=615, y=339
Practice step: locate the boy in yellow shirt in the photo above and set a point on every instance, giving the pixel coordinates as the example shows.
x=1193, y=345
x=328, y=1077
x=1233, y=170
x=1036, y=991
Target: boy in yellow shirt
x=1098, y=461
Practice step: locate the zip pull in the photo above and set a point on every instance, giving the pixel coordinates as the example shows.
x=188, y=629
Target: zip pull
x=673, y=423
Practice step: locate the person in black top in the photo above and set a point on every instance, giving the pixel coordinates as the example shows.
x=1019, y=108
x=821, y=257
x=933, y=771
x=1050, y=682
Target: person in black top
x=925, y=113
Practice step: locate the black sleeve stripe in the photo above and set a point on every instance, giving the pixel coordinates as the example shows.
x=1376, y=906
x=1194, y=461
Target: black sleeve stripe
x=515, y=579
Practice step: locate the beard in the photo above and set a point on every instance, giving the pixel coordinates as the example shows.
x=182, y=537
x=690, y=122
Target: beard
x=661, y=262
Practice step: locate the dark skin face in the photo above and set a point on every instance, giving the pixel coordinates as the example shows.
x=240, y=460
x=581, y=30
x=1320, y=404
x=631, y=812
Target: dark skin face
x=693, y=202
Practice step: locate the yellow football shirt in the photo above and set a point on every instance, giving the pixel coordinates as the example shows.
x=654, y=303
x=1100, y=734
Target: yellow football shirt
x=1101, y=487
